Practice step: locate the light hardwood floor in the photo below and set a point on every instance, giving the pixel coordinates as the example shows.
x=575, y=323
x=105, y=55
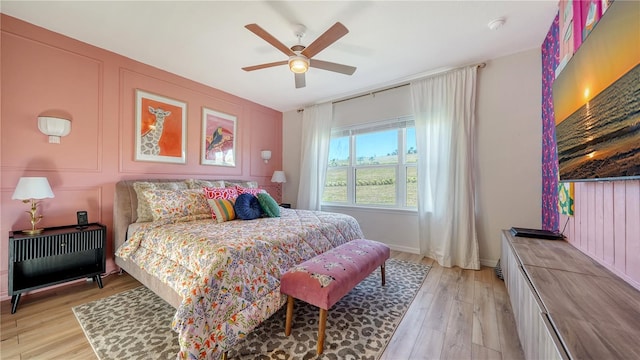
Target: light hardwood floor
x=457, y=314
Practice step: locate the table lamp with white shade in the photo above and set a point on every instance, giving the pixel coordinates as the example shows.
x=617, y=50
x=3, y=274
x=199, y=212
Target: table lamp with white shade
x=278, y=177
x=30, y=189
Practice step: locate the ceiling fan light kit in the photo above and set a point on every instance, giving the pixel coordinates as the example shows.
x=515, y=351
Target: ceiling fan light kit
x=299, y=64
x=300, y=56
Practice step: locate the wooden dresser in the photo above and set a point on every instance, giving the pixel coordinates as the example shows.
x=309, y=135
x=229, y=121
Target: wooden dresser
x=566, y=305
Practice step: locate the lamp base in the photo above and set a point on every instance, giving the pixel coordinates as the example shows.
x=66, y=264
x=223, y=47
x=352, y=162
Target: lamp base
x=32, y=231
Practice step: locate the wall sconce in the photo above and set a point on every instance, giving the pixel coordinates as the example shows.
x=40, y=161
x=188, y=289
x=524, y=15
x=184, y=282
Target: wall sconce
x=265, y=155
x=30, y=189
x=54, y=127
x=278, y=177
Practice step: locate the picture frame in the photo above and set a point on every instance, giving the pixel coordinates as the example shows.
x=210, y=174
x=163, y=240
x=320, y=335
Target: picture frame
x=161, y=128
x=218, y=143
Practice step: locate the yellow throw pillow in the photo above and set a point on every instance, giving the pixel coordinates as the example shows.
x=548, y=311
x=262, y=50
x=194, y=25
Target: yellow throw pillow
x=223, y=209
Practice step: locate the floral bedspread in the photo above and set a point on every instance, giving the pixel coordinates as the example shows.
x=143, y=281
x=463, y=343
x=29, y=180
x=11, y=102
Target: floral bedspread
x=228, y=273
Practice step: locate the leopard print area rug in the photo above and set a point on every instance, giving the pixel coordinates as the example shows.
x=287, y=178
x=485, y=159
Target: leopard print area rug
x=136, y=324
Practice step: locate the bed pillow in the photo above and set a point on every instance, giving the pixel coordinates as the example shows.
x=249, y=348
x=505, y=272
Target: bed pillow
x=268, y=204
x=247, y=207
x=144, y=211
x=247, y=184
x=222, y=209
x=244, y=190
x=177, y=205
x=199, y=184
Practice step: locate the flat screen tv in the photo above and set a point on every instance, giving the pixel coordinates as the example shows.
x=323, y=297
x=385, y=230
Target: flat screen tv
x=596, y=100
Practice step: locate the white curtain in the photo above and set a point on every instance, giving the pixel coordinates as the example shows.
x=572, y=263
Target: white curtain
x=444, y=110
x=316, y=134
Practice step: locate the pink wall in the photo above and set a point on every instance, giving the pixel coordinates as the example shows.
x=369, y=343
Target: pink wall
x=606, y=225
x=42, y=70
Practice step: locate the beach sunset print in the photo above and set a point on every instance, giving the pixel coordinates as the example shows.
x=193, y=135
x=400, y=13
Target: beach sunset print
x=597, y=101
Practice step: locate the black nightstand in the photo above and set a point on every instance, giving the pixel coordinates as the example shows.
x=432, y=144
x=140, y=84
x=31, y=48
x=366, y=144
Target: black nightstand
x=286, y=205
x=56, y=255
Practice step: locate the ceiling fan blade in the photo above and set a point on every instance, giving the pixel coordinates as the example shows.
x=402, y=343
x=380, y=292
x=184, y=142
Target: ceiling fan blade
x=300, y=81
x=326, y=65
x=329, y=37
x=254, y=28
x=264, y=66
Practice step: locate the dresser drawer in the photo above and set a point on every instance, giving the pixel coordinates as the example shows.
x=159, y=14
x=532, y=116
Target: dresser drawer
x=34, y=248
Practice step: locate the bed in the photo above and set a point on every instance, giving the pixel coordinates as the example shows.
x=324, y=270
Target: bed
x=222, y=277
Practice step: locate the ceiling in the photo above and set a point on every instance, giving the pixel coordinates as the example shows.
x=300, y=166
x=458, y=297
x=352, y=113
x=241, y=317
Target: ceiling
x=388, y=41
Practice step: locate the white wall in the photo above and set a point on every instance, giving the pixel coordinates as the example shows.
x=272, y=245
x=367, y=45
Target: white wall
x=508, y=153
x=291, y=149
x=509, y=119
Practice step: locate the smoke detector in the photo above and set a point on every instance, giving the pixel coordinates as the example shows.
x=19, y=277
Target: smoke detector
x=497, y=23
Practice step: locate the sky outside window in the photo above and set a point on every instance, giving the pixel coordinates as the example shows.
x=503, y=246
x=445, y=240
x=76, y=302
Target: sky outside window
x=370, y=145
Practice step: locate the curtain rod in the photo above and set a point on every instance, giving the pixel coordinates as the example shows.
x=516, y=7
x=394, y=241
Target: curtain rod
x=372, y=93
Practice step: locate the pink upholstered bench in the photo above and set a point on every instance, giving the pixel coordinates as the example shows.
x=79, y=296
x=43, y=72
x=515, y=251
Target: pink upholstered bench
x=325, y=279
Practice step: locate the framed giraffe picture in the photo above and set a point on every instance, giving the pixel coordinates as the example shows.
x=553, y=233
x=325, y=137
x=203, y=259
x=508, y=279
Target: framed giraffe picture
x=218, y=138
x=160, y=128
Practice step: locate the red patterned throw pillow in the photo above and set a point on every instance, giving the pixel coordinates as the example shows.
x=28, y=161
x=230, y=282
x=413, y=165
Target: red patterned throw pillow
x=243, y=190
x=220, y=193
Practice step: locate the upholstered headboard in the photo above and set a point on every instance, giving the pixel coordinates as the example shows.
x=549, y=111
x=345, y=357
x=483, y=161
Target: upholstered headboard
x=125, y=204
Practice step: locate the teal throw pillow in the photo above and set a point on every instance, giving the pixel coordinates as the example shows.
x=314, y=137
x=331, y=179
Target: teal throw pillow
x=269, y=205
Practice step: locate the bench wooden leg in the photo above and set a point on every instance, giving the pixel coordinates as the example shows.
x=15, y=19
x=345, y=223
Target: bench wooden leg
x=321, y=326
x=287, y=327
x=382, y=273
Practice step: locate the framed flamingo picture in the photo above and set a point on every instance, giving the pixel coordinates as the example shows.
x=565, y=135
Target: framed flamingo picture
x=160, y=128
x=218, y=138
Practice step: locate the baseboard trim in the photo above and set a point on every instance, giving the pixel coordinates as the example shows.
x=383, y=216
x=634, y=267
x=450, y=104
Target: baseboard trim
x=404, y=249
x=488, y=262
x=411, y=250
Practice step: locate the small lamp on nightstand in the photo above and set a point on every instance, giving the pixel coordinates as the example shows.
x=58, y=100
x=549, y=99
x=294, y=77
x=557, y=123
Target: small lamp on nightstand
x=30, y=189
x=278, y=177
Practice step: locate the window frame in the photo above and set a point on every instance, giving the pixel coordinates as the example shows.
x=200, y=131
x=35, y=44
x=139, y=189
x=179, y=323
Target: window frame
x=400, y=124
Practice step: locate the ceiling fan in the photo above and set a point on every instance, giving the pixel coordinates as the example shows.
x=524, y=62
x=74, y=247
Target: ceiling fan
x=300, y=56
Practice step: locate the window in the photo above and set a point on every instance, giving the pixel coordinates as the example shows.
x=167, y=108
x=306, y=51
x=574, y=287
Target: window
x=373, y=165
